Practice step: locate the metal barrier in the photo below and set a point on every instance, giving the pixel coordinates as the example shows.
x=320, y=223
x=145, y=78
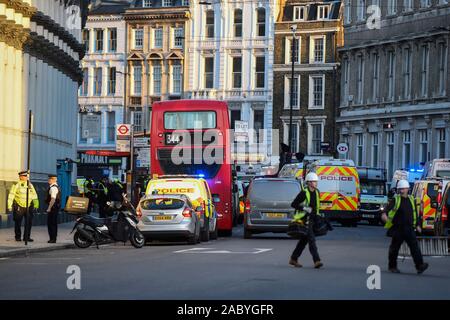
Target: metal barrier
x=429, y=246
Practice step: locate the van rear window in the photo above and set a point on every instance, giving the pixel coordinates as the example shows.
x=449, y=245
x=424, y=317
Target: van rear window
x=162, y=204
x=433, y=190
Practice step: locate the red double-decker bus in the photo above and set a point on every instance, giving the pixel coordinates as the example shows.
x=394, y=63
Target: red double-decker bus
x=190, y=137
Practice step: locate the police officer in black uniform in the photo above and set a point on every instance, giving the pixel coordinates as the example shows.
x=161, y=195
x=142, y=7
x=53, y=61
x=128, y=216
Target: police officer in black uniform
x=53, y=201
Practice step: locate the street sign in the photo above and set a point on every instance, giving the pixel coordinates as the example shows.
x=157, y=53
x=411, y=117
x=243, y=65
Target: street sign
x=141, y=142
x=342, y=148
x=241, y=131
x=123, y=130
x=90, y=126
x=325, y=145
x=143, y=158
x=123, y=145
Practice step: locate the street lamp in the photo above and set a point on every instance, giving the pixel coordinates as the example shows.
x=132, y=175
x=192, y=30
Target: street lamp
x=293, y=54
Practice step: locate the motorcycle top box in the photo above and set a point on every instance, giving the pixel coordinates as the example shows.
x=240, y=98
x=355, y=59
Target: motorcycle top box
x=76, y=205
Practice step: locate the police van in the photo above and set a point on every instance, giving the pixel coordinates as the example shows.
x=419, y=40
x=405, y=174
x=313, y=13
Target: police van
x=437, y=168
x=373, y=193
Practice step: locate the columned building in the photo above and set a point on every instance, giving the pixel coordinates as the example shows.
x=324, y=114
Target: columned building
x=308, y=35
x=230, y=53
x=101, y=95
x=155, y=33
x=395, y=106
x=40, y=51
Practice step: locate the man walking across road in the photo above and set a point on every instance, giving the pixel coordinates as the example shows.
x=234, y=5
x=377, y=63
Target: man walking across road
x=54, y=205
x=402, y=223
x=306, y=206
x=17, y=203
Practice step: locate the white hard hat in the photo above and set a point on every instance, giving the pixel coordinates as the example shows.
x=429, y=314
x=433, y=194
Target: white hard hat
x=312, y=176
x=403, y=184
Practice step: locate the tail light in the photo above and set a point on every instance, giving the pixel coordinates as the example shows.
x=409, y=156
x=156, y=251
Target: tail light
x=187, y=213
x=439, y=197
x=139, y=212
x=247, y=206
x=444, y=213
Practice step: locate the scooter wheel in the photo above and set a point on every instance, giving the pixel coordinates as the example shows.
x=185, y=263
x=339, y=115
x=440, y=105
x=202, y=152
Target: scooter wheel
x=80, y=241
x=137, y=239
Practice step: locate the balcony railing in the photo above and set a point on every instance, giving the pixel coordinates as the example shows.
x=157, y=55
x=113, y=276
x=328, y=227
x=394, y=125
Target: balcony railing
x=135, y=101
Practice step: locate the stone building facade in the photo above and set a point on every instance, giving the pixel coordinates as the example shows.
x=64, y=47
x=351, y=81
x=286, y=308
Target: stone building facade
x=395, y=105
x=318, y=35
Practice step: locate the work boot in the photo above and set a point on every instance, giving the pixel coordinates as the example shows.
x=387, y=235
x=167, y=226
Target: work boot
x=394, y=270
x=422, y=268
x=29, y=240
x=18, y=239
x=51, y=241
x=295, y=263
x=318, y=265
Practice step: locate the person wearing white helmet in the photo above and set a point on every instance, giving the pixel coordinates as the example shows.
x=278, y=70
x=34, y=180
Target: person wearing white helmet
x=402, y=222
x=306, y=206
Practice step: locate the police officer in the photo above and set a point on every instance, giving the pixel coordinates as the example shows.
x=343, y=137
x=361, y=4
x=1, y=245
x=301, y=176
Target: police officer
x=402, y=223
x=89, y=193
x=306, y=206
x=17, y=203
x=102, y=197
x=116, y=191
x=53, y=201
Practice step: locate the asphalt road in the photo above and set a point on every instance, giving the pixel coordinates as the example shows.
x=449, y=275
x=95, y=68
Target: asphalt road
x=228, y=268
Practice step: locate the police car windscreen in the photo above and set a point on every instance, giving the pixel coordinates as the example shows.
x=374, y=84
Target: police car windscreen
x=345, y=185
x=276, y=190
x=162, y=204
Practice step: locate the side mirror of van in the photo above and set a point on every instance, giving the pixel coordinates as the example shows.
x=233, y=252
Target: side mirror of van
x=216, y=198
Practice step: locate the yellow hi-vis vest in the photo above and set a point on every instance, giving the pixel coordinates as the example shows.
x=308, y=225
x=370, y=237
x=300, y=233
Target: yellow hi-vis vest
x=18, y=193
x=301, y=214
x=392, y=213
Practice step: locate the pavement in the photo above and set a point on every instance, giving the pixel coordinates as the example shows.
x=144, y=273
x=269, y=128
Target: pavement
x=227, y=268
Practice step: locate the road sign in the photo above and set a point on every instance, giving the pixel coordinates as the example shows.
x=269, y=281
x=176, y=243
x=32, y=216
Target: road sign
x=241, y=131
x=123, y=145
x=342, y=148
x=123, y=130
x=90, y=126
x=143, y=158
x=325, y=145
x=141, y=142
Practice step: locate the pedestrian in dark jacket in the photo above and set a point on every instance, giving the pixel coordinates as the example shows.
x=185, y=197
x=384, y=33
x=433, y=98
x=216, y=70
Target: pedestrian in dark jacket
x=306, y=206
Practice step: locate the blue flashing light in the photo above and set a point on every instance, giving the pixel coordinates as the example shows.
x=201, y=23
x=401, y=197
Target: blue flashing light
x=420, y=170
x=201, y=175
x=412, y=170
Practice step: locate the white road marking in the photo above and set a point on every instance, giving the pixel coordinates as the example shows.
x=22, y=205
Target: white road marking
x=210, y=250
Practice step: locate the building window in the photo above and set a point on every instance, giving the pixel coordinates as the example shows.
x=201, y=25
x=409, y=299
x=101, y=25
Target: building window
x=300, y=13
x=99, y=40
x=157, y=38
x=360, y=79
x=361, y=10
x=406, y=149
x=111, y=129
x=176, y=78
x=137, y=80
x=316, y=92
x=375, y=150
x=237, y=72
x=390, y=153
x=346, y=75
x=137, y=121
x=317, y=52
x=112, y=81
x=86, y=39
x=322, y=12
x=112, y=39
x=185, y=3
x=260, y=70
x=98, y=81
x=423, y=141
x=359, y=149
x=167, y=3
x=441, y=143
x=288, y=50
x=138, y=38
x=407, y=5
x=424, y=70
x=406, y=73
x=209, y=73
x=238, y=23
x=315, y=138
x=235, y=115
x=295, y=129
x=348, y=11
x=258, y=122
x=147, y=3
x=442, y=68
x=425, y=3
x=295, y=93
x=156, y=78
x=84, y=90
x=376, y=77
x=209, y=24
x=392, y=7
x=178, y=37
x=261, y=22
x=391, y=75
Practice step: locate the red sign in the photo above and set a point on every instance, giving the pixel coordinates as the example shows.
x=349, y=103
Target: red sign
x=123, y=130
x=107, y=153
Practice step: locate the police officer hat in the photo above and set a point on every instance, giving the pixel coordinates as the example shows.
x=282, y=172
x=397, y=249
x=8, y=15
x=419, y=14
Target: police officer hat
x=50, y=176
x=23, y=173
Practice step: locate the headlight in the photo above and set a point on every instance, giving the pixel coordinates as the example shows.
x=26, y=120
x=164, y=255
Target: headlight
x=381, y=208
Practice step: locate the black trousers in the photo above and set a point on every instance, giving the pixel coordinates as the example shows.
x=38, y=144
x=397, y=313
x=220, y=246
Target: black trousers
x=309, y=239
x=404, y=234
x=18, y=216
x=52, y=223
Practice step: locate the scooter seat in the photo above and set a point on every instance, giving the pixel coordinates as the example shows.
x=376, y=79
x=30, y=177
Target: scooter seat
x=100, y=221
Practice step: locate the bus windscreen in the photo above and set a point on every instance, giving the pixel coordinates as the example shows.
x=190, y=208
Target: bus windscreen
x=188, y=120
